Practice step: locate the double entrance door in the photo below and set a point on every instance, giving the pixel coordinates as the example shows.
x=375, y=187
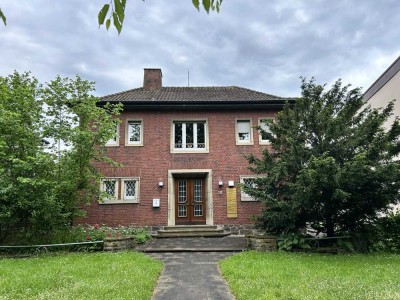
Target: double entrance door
x=190, y=204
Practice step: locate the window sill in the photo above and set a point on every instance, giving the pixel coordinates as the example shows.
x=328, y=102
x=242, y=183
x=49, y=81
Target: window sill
x=189, y=151
x=112, y=145
x=265, y=143
x=118, y=202
x=134, y=145
x=245, y=144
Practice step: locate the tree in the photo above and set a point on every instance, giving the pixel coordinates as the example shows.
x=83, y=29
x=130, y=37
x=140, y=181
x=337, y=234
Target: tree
x=41, y=189
x=115, y=11
x=331, y=165
x=74, y=118
x=26, y=170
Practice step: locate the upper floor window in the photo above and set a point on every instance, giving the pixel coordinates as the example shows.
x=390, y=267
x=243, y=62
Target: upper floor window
x=190, y=136
x=264, y=125
x=244, y=132
x=114, y=141
x=134, y=133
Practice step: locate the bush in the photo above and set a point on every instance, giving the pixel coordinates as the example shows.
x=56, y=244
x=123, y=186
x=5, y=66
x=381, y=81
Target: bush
x=382, y=235
x=290, y=241
x=75, y=234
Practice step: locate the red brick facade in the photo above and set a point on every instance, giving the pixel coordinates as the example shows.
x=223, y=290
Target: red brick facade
x=155, y=160
x=152, y=161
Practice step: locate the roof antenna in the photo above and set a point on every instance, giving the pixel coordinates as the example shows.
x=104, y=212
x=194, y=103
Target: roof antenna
x=188, y=78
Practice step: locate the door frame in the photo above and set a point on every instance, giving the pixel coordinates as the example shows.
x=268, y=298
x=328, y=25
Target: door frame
x=207, y=175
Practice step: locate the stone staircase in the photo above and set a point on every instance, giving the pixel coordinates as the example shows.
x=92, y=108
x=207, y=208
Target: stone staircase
x=183, y=231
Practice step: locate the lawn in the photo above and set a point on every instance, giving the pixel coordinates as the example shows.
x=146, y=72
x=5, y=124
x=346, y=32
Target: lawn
x=124, y=275
x=280, y=275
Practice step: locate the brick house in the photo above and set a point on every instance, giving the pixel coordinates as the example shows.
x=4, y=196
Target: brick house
x=182, y=151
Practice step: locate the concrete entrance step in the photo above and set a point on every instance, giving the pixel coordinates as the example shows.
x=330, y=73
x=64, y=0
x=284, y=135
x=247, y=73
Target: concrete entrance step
x=195, y=244
x=182, y=231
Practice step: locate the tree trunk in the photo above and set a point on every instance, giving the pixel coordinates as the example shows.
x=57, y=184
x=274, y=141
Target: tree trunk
x=330, y=227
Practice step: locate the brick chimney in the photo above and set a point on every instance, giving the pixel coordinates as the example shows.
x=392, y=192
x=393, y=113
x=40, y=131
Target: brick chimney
x=152, y=79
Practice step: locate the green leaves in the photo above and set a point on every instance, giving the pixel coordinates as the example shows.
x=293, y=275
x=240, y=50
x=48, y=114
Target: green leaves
x=115, y=10
x=214, y=5
x=117, y=14
x=332, y=166
x=196, y=4
x=3, y=17
x=41, y=188
x=103, y=13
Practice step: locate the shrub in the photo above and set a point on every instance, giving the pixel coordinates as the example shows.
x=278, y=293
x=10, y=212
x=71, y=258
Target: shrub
x=381, y=235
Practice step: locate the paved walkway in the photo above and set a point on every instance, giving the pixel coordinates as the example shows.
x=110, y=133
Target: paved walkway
x=191, y=266
x=191, y=276
x=197, y=244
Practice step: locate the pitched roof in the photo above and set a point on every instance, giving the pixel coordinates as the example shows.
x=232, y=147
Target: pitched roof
x=180, y=95
x=383, y=79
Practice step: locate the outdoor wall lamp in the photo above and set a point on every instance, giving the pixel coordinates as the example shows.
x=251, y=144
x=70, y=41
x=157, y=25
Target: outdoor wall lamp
x=220, y=183
x=160, y=184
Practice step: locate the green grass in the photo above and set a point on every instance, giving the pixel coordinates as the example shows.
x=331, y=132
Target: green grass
x=124, y=275
x=279, y=275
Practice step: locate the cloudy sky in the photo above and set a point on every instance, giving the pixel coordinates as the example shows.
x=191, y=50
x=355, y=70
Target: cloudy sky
x=258, y=44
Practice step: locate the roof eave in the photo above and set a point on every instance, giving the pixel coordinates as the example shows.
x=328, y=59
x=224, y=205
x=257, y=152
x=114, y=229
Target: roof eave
x=162, y=105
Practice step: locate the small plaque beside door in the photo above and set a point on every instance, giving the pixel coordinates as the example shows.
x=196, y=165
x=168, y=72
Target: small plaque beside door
x=231, y=203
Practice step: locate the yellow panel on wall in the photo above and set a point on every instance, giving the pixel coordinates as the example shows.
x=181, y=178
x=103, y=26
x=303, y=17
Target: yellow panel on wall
x=231, y=203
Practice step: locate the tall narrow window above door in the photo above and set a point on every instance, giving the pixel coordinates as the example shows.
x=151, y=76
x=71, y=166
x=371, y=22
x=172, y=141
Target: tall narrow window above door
x=189, y=136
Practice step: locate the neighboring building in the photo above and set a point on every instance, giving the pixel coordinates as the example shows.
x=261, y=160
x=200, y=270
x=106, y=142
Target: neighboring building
x=182, y=151
x=385, y=89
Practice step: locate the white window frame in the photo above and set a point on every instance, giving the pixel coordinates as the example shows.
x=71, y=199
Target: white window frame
x=120, y=197
x=243, y=196
x=135, y=143
x=131, y=199
x=260, y=123
x=244, y=142
x=193, y=149
x=112, y=142
x=102, y=188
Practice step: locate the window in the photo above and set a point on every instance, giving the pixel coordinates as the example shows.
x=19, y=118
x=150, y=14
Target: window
x=110, y=187
x=247, y=181
x=114, y=141
x=130, y=188
x=134, y=133
x=120, y=190
x=189, y=136
x=263, y=123
x=244, y=135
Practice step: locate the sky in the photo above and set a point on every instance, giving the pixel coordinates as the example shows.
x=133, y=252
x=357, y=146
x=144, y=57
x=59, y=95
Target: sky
x=260, y=45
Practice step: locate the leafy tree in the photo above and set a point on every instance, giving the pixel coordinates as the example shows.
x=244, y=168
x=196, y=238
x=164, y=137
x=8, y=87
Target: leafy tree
x=331, y=165
x=84, y=128
x=26, y=170
x=41, y=189
x=115, y=11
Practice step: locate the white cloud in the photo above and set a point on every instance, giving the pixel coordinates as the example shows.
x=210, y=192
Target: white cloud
x=256, y=44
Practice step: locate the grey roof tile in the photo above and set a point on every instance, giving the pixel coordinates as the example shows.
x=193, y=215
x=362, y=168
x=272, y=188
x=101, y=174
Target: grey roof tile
x=191, y=94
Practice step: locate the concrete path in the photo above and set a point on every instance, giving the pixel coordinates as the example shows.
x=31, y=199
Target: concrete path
x=197, y=244
x=191, y=276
